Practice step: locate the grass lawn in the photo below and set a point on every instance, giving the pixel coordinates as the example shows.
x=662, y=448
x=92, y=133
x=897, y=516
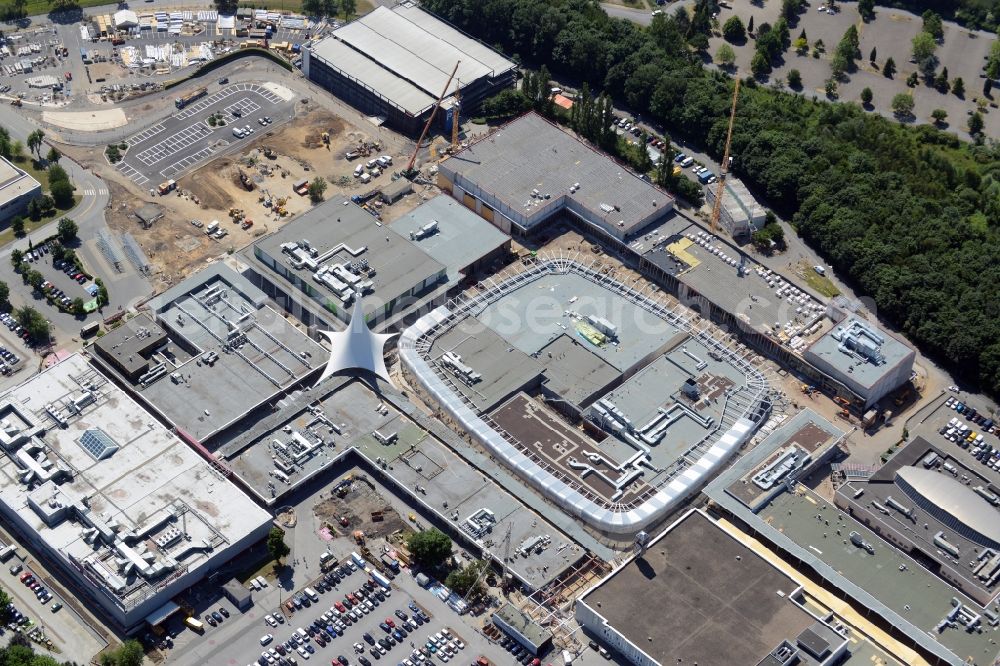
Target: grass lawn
x=820, y=283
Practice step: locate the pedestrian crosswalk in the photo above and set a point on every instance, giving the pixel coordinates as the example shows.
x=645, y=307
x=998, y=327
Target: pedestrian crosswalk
x=103, y=191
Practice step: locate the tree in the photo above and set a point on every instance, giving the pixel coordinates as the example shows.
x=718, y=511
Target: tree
x=831, y=88
x=53, y=156
x=226, y=6
x=348, y=7
x=725, y=55
x=33, y=322
x=62, y=193
x=759, y=65
x=873, y=55
x=923, y=52
x=958, y=87
x=933, y=25
x=987, y=88
x=4, y=304
x=889, y=68
x=902, y=105
x=16, y=150
x=941, y=81
x=35, y=139
x=77, y=306
x=57, y=173
x=466, y=581
x=734, y=31
x=17, y=226
x=912, y=80
x=16, y=256
x=867, y=96
x=316, y=189
x=129, y=653
x=430, y=548
x=975, y=123
x=794, y=79
x=866, y=8
x=67, y=230
x=939, y=116
x=34, y=278
x=276, y=545
x=801, y=45
x=750, y=26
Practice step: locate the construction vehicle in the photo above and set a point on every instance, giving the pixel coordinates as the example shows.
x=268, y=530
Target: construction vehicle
x=166, y=187
x=359, y=537
x=326, y=139
x=16, y=102
x=409, y=172
x=843, y=402
x=181, y=102
x=246, y=181
x=269, y=153
x=717, y=205
x=246, y=224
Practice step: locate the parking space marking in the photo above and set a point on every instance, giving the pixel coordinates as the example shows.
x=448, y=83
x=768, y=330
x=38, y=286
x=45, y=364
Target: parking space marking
x=132, y=173
x=188, y=161
x=228, y=91
x=245, y=106
x=174, y=143
x=145, y=134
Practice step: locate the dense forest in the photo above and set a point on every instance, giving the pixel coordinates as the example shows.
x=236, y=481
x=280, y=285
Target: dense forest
x=984, y=14
x=909, y=214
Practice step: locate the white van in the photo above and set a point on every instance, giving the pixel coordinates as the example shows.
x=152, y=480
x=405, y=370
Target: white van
x=365, y=178
x=238, y=132
x=311, y=593
x=212, y=228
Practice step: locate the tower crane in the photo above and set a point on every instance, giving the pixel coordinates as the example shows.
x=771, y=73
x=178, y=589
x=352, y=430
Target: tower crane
x=437, y=105
x=717, y=205
x=455, y=113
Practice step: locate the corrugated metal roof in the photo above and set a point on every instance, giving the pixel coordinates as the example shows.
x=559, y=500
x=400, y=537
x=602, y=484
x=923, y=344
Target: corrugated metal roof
x=493, y=61
x=954, y=498
x=401, y=92
x=413, y=46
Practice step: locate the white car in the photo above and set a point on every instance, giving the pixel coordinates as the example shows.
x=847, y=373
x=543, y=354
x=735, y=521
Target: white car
x=302, y=652
x=266, y=638
x=267, y=657
x=953, y=389
x=459, y=644
x=270, y=620
x=359, y=648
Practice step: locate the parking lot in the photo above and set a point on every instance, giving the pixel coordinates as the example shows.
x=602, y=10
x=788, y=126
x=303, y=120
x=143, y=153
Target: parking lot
x=45, y=611
x=173, y=146
x=237, y=639
x=966, y=431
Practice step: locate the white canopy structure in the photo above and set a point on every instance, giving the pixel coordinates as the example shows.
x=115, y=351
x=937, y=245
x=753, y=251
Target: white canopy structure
x=357, y=348
x=126, y=19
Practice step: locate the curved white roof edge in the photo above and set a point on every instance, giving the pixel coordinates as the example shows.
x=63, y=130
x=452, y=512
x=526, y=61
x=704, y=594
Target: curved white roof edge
x=606, y=520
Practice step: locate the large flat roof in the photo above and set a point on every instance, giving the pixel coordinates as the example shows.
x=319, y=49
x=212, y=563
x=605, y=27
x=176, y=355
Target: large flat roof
x=227, y=353
x=14, y=182
x=460, y=239
x=864, y=367
x=351, y=234
x=407, y=55
x=896, y=587
x=530, y=153
x=716, y=601
x=129, y=474
x=710, y=266
x=504, y=369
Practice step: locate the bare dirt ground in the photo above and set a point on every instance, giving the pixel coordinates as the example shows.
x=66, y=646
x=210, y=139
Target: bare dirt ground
x=358, y=505
x=177, y=248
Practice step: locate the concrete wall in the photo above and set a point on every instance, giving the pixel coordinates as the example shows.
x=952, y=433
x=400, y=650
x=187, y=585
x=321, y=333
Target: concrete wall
x=596, y=625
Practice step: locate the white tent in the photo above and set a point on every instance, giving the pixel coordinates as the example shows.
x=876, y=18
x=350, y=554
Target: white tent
x=357, y=348
x=126, y=19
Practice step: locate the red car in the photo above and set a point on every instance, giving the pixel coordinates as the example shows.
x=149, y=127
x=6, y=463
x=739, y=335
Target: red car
x=388, y=621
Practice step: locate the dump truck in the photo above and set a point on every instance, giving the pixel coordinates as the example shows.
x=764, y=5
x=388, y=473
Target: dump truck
x=181, y=102
x=301, y=187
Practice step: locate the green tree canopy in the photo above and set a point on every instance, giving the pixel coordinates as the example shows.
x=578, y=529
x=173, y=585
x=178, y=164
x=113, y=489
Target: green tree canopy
x=67, y=230
x=733, y=30
x=429, y=548
x=276, y=545
x=317, y=188
x=466, y=581
x=902, y=105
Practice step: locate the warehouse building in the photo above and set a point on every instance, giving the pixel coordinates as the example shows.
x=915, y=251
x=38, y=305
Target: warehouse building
x=121, y=506
x=740, y=213
x=393, y=64
x=716, y=601
x=17, y=188
x=530, y=170
x=870, y=362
